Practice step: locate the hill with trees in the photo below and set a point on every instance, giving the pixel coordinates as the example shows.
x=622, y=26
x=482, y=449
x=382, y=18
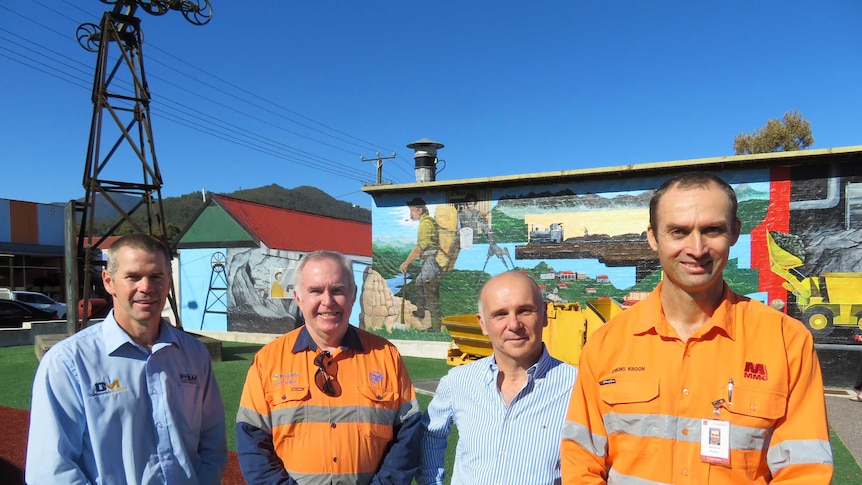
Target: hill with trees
x=179, y=211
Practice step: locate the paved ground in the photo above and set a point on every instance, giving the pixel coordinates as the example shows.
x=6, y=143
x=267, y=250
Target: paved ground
x=844, y=415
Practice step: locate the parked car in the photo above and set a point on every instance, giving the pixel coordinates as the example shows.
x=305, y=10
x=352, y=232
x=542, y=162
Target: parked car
x=40, y=301
x=13, y=314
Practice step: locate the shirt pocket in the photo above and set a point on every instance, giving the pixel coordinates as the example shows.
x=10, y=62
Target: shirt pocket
x=377, y=412
x=289, y=411
x=632, y=413
x=757, y=407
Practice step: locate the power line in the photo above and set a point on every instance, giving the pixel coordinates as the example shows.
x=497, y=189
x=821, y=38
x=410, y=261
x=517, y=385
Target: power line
x=257, y=145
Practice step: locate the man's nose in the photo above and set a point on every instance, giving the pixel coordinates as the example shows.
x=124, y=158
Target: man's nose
x=697, y=243
x=146, y=285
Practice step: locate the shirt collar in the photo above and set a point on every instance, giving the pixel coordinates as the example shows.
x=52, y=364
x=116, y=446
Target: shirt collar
x=115, y=337
x=350, y=341
x=536, y=371
x=653, y=321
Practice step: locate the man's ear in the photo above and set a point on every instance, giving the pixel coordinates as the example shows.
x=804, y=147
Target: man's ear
x=108, y=282
x=651, y=238
x=482, y=324
x=737, y=228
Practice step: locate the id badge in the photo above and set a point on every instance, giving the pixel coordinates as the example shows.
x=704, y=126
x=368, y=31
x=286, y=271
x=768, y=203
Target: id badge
x=715, y=441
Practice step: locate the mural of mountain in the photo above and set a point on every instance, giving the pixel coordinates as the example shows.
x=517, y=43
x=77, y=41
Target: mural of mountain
x=179, y=211
x=747, y=192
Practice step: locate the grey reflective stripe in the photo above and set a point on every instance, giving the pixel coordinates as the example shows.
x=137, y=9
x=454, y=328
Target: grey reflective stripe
x=580, y=434
x=671, y=428
x=798, y=452
x=407, y=410
x=252, y=417
x=333, y=414
x=330, y=478
x=616, y=478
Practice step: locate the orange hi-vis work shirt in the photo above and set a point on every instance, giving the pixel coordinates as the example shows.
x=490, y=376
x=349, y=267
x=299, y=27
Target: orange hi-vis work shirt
x=642, y=395
x=324, y=439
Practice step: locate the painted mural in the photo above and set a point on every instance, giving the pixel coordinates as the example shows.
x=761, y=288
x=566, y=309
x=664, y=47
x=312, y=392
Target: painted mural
x=799, y=250
x=244, y=290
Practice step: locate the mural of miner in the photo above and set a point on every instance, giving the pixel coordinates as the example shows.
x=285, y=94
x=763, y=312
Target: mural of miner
x=428, y=279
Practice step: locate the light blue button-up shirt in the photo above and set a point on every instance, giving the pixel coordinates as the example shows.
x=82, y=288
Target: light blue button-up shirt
x=498, y=444
x=105, y=410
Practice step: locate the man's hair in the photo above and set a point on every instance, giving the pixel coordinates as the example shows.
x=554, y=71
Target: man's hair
x=144, y=242
x=689, y=180
x=537, y=292
x=419, y=203
x=342, y=260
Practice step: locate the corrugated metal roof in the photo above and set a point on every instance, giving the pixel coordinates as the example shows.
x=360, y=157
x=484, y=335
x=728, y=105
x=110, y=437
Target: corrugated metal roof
x=291, y=230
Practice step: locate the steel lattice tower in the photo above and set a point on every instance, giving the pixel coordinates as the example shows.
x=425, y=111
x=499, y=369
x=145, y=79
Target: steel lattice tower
x=121, y=137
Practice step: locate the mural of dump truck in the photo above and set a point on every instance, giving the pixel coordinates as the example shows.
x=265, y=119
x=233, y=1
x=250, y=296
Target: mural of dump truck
x=569, y=327
x=824, y=301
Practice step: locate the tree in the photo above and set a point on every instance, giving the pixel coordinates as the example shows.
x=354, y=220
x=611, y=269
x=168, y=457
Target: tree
x=793, y=132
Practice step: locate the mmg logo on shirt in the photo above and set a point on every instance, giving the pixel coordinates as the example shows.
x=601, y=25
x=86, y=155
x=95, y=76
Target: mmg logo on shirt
x=101, y=388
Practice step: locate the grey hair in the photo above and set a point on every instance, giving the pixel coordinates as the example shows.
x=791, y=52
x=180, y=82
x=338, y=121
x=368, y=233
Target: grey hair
x=342, y=260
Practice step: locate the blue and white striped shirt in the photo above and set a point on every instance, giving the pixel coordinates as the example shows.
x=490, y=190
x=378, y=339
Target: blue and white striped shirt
x=498, y=444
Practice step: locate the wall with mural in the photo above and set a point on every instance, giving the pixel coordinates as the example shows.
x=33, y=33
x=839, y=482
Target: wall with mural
x=799, y=250
x=243, y=290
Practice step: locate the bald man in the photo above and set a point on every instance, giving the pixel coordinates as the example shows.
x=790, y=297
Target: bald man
x=509, y=408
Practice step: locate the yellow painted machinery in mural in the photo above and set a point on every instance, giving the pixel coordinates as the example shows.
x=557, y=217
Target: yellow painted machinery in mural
x=824, y=301
x=569, y=327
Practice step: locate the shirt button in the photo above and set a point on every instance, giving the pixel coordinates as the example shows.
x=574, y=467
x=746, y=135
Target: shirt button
x=685, y=431
x=685, y=392
x=753, y=407
x=158, y=425
x=685, y=472
x=334, y=458
x=334, y=425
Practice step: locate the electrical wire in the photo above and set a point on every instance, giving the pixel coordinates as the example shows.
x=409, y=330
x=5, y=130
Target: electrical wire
x=192, y=123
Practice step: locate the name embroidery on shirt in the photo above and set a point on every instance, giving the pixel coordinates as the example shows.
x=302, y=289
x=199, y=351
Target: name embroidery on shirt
x=285, y=379
x=756, y=371
x=631, y=368
x=104, y=388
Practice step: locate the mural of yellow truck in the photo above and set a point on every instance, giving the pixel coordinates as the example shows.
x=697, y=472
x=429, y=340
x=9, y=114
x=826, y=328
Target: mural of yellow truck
x=824, y=301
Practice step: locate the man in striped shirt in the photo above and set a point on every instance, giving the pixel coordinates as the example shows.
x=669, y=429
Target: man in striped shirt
x=509, y=407
x=695, y=359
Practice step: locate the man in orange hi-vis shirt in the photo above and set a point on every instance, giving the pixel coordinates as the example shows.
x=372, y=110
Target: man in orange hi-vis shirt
x=695, y=359
x=328, y=402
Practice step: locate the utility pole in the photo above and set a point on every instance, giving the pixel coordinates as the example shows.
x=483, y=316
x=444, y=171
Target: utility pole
x=379, y=164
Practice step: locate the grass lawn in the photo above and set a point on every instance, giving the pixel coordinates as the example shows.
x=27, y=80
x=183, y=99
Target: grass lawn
x=18, y=364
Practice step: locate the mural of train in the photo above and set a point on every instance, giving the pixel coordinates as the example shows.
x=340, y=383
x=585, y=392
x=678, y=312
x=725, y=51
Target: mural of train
x=551, y=235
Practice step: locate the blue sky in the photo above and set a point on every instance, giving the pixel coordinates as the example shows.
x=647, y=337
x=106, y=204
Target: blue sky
x=508, y=87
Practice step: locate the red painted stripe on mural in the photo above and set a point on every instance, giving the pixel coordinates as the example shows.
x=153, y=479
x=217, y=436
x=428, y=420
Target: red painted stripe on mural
x=777, y=219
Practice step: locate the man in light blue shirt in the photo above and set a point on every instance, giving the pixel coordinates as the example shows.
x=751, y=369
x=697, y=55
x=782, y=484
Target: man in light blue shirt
x=129, y=400
x=509, y=408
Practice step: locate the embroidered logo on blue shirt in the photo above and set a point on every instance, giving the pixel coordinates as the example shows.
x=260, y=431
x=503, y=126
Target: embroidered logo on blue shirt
x=376, y=377
x=103, y=388
x=191, y=379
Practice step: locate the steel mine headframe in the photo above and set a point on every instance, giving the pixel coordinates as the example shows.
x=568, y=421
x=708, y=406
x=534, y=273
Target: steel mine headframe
x=121, y=137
